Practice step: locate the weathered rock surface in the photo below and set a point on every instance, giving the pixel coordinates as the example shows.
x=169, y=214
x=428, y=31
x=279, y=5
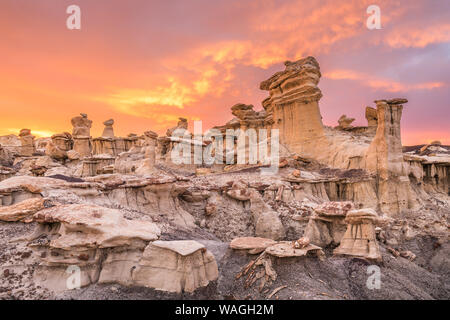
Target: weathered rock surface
x=23, y=210
x=253, y=244
x=327, y=225
x=93, y=226
x=286, y=250
x=176, y=266
x=345, y=122
x=27, y=143
x=360, y=239
x=122, y=210
x=108, y=132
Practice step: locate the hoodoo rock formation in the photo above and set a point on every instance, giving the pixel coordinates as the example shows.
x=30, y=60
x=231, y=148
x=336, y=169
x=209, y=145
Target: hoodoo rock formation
x=293, y=105
x=187, y=214
x=82, y=135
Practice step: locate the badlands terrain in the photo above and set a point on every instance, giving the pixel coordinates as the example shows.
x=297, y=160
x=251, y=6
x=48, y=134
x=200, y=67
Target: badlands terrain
x=110, y=217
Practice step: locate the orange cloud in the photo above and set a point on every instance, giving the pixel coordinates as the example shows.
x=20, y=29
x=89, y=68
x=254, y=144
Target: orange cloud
x=192, y=67
x=380, y=83
x=418, y=36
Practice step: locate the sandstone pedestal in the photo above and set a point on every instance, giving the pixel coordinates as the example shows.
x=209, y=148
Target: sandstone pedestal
x=82, y=135
x=108, y=132
x=293, y=106
x=149, y=149
x=360, y=239
x=27, y=143
x=327, y=225
x=176, y=266
x=82, y=145
x=385, y=158
x=63, y=141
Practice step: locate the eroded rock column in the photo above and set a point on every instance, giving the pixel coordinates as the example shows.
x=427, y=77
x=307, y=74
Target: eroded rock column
x=149, y=149
x=384, y=157
x=293, y=106
x=82, y=135
x=27, y=143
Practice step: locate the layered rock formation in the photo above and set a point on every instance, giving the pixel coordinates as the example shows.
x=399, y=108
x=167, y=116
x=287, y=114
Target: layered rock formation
x=176, y=266
x=81, y=134
x=108, y=132
x=293, y=105
x=124, y=212
x=27, y=143
x=360, y=239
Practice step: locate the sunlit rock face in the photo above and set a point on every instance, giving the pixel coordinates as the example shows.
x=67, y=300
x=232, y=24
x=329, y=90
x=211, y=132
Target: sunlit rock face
x=82, y=135
x=293, y=105
x=27, y=143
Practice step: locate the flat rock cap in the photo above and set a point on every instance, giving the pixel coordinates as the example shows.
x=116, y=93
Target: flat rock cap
x=182, y=247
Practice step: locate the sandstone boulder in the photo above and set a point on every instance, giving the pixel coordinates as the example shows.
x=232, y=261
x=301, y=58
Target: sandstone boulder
x=108, y=131
x=6, y=157
x=81, y=126
x=23, y=210
x=176, y=266
x=55, y=152
x=360, y=238
x=327, y=225
x=301, y=243
x=27, y=143
x=267, y=221
x=253, y=244
x=91, y=226
x=372, y=119
x=63, y=141
x=345, y=122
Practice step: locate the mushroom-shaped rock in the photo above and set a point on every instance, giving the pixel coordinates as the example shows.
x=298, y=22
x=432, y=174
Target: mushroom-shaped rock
x=327, y=225
x=360, y=238
x=108, y=131
x=345, y=122
x=81, y=126
x=176, y=266
x=98, y=240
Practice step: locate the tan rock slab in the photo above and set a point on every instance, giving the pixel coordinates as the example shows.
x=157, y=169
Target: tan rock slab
x=360, y=238
x=251, y=243
x=163, y=268
x=182, y=247
x=23, y=209
x=92, y=226
x=285, y=249
x=334, y=208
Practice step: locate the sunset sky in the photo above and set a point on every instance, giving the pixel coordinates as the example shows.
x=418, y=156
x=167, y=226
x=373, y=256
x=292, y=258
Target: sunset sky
x=144, y=63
